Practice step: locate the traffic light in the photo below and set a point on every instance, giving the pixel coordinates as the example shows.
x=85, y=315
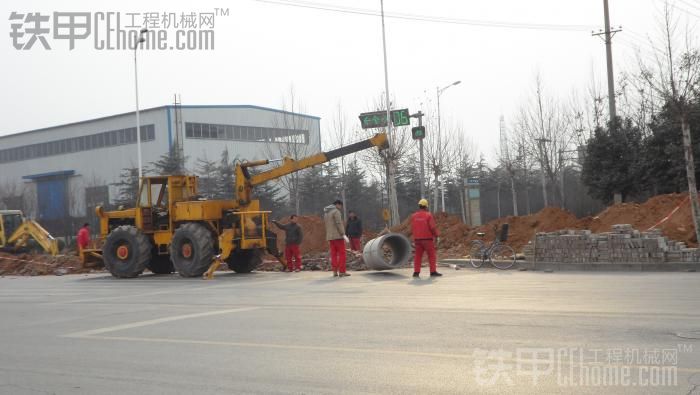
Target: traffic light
x=418, y=132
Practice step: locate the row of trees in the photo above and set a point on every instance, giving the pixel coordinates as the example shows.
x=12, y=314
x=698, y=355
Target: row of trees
x=553, y=151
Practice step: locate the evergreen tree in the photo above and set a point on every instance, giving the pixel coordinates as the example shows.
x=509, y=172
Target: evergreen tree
x=311, y=191
x=170, y=163
x=206, y=170
x=269, y=194
x=128, y=185
x=613, y=161
x=225, y=176
x=664, y=162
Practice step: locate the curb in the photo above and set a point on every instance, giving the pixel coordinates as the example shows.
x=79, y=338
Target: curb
x=590, y=267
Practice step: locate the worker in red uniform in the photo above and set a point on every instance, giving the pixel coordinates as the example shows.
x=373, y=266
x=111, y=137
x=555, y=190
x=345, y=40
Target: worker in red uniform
x=84, y=237
x=293, y=238
x=425, y=236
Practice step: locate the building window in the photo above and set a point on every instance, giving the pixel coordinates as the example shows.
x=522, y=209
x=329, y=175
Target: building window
x=195, y=130
x=75, y=144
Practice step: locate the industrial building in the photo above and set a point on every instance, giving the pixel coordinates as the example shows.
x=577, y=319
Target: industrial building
x=58, y=174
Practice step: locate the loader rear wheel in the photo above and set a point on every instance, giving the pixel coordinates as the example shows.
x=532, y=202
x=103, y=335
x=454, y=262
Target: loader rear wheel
x=126, y=252
x=244, y=261
x=192, y=250
x=160, y=264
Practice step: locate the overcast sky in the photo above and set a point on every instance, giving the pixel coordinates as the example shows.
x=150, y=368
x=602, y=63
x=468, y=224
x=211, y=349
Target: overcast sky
x=262, y=48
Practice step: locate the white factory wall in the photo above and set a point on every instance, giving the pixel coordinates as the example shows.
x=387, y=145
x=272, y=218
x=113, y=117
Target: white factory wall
x=95, y=167
x=102, y=166
x=196, y=148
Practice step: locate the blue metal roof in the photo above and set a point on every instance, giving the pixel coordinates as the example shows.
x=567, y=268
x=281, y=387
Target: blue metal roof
x=61, y=173
x=170, y=106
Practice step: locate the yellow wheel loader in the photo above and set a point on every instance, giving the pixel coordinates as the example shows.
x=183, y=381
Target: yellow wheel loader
x=16, y=232
x=172, y=229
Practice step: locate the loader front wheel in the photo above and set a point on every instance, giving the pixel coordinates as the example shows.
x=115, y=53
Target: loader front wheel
x=244, y=261
x=192, y=250
x=126, y=252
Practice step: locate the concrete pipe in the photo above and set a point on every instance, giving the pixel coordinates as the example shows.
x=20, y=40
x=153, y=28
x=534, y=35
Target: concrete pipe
x=377, y=258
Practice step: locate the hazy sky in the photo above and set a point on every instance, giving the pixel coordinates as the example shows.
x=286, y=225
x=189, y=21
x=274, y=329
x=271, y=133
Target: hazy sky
x=262, y=48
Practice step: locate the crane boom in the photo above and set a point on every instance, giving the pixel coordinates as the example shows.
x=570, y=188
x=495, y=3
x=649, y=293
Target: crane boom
x=245, y=181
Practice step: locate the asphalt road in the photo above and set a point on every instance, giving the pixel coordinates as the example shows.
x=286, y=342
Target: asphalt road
x=471, y=331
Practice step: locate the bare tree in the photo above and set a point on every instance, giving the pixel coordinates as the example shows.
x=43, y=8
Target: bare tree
x=507, y=155
x=293, y=142
x=10, y=194
x=377, y=162
x=675, y=78
x=466, y=158
x=340, y=137
x=548, y=127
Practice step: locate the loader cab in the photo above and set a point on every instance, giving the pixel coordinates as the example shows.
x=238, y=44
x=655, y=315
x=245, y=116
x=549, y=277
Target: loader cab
x=157, y=197
x=10, y=220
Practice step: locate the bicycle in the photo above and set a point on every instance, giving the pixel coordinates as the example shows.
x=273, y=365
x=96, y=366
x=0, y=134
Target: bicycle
x=499, y=255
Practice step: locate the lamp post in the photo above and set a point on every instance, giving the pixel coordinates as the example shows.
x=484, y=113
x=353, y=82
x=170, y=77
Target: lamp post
x=391, y=170
x=140, y=40
x=439, y=92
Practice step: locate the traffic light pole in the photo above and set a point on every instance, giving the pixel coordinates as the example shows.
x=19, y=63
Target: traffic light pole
x=419, y=115
x=391, y=173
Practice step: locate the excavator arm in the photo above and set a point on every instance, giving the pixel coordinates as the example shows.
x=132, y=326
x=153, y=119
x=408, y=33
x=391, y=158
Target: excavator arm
x=32, y=230
x=245, y=181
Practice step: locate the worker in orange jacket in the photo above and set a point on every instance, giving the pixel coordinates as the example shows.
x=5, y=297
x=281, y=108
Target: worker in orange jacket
x=425, y=236
x=83, y=238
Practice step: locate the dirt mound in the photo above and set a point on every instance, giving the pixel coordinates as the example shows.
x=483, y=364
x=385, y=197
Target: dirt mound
x=523, y=228
x=452, y=231
x=38, y=265
x=678, y=226
x=314, y=234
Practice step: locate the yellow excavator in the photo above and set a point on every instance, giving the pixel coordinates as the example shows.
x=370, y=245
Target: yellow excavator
x=171, y=228
x=16, y=232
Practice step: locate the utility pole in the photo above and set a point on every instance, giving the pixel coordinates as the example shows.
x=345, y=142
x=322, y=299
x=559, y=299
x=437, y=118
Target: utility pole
x=391, y=181
x=608, y=33
x=140, y=40
x=439, y=91
x=420, y=115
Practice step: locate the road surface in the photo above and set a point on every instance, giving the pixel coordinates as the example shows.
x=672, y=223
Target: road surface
x=471, y=331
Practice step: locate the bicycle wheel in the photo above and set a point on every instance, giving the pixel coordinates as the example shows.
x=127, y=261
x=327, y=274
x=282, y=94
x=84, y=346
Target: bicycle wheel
x=502, y=257
x=476, y=253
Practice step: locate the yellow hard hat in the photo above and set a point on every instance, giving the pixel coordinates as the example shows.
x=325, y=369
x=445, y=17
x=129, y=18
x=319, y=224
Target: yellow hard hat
x=423, y=203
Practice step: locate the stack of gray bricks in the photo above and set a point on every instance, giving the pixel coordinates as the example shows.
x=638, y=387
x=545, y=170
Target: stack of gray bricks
x=622, y=244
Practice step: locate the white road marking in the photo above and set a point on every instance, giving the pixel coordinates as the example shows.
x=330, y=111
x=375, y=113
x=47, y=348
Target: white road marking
x=174, y=289
x=139, y=324
x=468, y=357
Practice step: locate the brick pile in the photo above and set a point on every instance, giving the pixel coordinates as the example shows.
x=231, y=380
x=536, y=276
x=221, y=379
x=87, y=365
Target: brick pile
x=623, y=244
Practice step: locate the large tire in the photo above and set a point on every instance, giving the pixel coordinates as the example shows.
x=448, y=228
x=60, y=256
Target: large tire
x=192, y=250
x=160, y=264
x=244, y=261
x=126, y=252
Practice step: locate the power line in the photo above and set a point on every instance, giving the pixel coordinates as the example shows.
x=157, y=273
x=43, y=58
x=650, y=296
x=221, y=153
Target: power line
x=677, y=7
x=426, y=18
x=691, y=5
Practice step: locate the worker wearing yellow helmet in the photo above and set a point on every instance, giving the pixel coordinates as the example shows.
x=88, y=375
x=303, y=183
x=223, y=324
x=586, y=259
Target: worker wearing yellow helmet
x=424, y=233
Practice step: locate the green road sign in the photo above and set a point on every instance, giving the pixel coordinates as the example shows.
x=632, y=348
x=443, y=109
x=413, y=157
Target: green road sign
x=377, y=119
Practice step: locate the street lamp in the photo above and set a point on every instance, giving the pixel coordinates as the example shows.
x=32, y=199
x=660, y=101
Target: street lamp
x=439, y=92
x=136, y=84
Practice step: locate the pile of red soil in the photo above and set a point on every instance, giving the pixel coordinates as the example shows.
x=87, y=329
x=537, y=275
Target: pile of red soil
x=314, y=234
x=452, y=231
x=38, y=264
x=678, y=226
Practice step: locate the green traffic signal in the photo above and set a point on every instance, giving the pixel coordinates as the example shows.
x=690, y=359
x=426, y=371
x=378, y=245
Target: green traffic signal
x=418, y=132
